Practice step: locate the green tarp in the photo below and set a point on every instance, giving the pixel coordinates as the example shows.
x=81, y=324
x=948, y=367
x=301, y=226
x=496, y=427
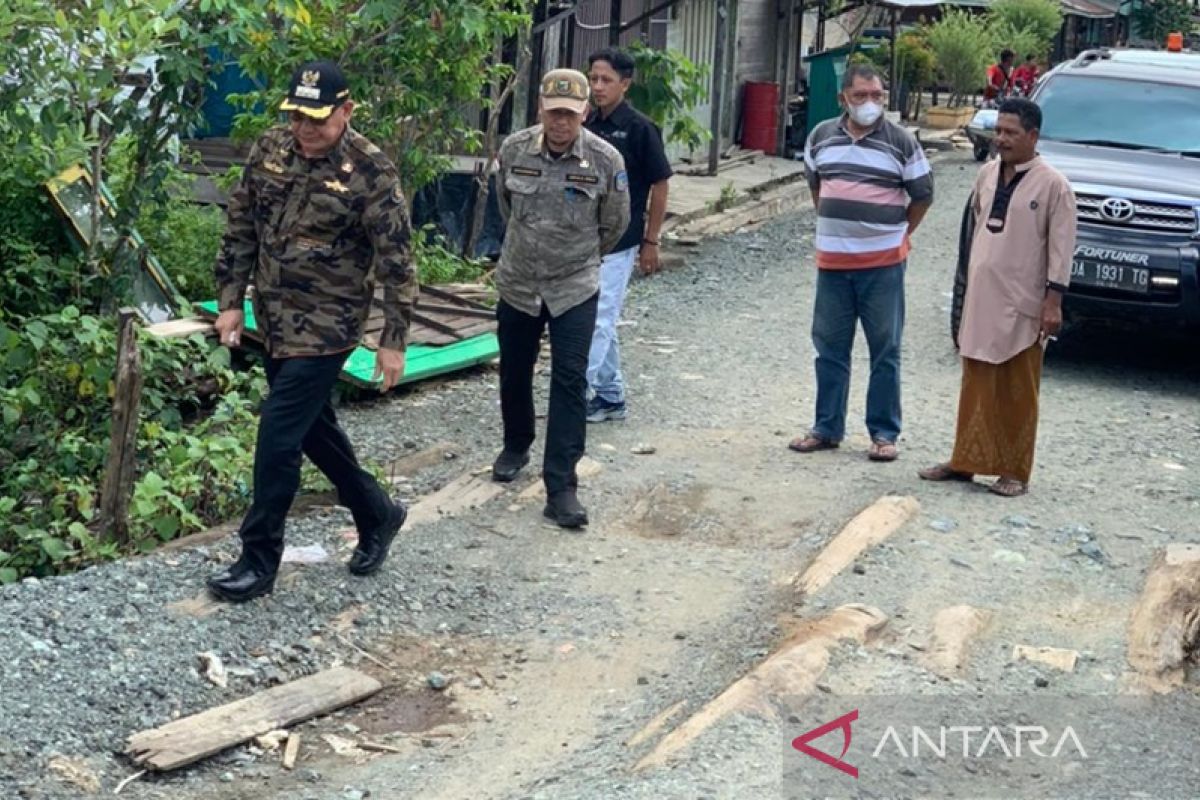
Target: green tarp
x=421, y=362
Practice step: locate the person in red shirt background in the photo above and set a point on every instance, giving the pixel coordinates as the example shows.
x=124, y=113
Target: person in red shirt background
x=1026, y=76
x=1000, y=77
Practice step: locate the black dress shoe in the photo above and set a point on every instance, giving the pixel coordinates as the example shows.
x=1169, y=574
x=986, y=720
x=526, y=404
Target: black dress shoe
x=565, y=509
x=372, y=549
x=229, y=573
x=246, y=585
x=508, y=464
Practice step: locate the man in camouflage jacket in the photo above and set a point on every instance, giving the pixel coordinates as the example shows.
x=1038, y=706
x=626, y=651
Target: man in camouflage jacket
x=317, y=218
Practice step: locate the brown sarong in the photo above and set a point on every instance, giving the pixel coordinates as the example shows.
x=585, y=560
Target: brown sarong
x=998, y=416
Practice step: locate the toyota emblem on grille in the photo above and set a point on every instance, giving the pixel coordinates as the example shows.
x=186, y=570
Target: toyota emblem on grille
x=1117, y=209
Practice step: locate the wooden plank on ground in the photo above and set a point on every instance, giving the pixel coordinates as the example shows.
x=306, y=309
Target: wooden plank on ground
x=190, y=739
x=409, y=465
x=1164, y=630
x=792, y=671
x=1055, y=657
x=874, y=524
x=954, y=629
x=461, y=494
x=654, y=726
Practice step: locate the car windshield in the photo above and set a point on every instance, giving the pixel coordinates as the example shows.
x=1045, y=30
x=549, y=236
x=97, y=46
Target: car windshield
x=1121, y=113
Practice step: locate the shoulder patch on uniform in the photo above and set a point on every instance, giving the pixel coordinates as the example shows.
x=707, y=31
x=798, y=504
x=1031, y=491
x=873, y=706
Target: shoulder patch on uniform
x=576, y=178
x=528, y=172
x=621, y=181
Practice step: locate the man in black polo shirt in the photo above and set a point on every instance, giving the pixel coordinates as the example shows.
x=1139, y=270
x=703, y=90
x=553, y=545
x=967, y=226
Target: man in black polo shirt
x=610, y=73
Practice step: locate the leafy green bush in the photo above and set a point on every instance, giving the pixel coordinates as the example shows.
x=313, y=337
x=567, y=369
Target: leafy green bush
x=962, y=44
x=438, y=263
x=667, y=87
x=1157, y=18
x=185, y=237
x=195, y=440
x=1027, y=27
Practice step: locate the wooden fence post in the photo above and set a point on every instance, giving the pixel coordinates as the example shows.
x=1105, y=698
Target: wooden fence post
x=121, y=466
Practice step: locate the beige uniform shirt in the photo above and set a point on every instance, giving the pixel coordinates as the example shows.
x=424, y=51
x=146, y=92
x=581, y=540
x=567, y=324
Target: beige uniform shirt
x=562, y=215
x=1010, y=268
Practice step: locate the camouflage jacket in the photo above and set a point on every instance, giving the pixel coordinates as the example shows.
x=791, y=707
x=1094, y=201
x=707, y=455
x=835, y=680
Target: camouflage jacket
x=313, y=235
x=563, y=214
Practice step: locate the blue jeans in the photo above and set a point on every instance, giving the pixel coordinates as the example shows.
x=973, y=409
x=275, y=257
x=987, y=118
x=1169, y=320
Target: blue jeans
x=844, y=297
x=604, y=358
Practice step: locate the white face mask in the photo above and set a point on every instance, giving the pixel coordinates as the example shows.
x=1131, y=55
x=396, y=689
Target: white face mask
x=867, y=114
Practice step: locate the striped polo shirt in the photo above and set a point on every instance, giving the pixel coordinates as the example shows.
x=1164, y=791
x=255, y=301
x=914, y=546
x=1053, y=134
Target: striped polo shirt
x=865, y=188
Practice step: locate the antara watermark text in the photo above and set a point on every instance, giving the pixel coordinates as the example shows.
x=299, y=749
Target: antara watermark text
x=978, y=741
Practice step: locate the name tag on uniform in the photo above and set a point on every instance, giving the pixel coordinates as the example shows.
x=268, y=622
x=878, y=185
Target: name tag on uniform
x=528, y=172
x=588, y=179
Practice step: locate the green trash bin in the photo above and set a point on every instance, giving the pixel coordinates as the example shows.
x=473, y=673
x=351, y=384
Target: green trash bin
x=825, y=72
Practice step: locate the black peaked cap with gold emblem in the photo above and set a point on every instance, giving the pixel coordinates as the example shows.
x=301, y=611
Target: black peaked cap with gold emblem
x=317, y=88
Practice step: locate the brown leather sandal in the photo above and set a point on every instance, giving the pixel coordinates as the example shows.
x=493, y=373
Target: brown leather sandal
x=883, y=450
x=943, y=472
x=812, y=443
x=1009, y=487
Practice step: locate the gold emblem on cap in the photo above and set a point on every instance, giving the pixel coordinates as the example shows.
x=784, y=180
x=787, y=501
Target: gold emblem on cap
x=563, y=86
x=310, y=77
x=337, y=186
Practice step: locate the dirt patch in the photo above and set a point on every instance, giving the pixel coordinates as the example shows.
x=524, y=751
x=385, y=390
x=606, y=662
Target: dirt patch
x=398, y=710
x=672, y=511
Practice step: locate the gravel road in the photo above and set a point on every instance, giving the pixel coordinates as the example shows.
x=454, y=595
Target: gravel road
x=557, y=648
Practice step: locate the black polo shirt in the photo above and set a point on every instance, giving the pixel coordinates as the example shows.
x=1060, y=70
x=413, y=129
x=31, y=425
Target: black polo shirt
x=640, y=142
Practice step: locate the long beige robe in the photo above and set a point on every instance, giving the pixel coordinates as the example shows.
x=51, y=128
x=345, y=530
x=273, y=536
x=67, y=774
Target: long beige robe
x=1008, y=271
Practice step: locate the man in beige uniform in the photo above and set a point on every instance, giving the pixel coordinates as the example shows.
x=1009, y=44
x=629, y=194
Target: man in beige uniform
x=1017, y=273
x=565, y=196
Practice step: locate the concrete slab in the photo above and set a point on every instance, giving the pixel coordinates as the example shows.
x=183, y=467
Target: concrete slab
x=694, y=194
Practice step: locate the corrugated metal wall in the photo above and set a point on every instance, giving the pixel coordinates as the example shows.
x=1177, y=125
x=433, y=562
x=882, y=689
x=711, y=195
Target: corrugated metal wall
x=693, y=31
x=587, y=31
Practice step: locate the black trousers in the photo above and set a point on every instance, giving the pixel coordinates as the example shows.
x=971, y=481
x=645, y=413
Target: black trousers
x=297, y=418
x=520, y=338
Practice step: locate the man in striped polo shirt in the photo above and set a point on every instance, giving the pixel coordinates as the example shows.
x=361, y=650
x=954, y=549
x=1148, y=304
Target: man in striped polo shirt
x=872, y=186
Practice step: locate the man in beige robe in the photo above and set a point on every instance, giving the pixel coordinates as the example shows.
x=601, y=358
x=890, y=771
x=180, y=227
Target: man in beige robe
x=1017, y=273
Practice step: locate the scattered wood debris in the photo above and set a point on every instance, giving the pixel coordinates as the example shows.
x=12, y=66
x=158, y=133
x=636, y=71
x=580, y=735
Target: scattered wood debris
x=271, y=741
x=291, y=751
x=1057, y=658
x=75, y=772
x=213, y=669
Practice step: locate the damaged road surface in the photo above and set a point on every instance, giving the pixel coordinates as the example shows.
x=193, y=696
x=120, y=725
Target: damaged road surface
x=729, y=598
